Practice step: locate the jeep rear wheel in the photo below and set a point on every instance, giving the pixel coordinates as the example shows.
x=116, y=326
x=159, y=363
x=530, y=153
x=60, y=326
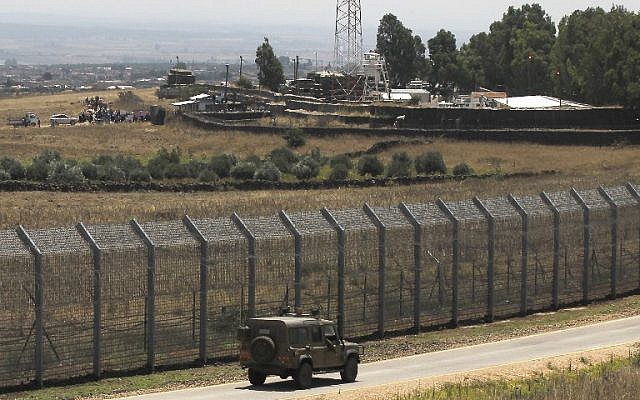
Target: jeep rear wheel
x=350, y=371
x=263, y=349
x=304, y=376
x=257, y=378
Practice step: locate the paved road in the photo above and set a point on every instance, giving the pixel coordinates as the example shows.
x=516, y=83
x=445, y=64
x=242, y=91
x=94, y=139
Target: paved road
x=429, y=365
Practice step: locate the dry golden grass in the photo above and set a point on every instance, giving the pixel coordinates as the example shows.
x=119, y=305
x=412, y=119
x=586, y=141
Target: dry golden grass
x=580, y=166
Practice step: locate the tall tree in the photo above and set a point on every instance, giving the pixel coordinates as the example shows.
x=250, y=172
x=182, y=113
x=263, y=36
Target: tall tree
x=403, y=53
x=270, y=72
x=442, y=52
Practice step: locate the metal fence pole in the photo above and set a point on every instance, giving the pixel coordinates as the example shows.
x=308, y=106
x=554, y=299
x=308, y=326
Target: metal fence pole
x=39, y=303
x=417, y=260
x=97, y=298
x=341, y=266
x=491, y=261
x=382, y=266
x=455, y=273
x=524, y=277
x=151, y=293
x=204, y=285
x=298, y=256
x=615, y=223
x=556, y=249
x=252, y=262
x=586, y=260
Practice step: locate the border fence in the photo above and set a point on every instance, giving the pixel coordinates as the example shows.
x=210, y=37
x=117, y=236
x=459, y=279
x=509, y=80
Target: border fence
x=89, y=301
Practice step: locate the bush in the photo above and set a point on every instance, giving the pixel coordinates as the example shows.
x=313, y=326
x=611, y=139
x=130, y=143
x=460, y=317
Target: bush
x=462, y=169
x=401, y=165
x=111, y=173
x=268, y=172
x=156, y=168
x=222, y=164
x=244, y=171
x=208, y=176
x=171, y=157
x=13, y=167
x=39, y=168
x=89, y=170
x=342, y=159
x=431, y=162
x=244, y=83
x=370, y=165
x=283, y=158
x=340, y=172
x=254, y=159
x=195, y=167
x=4, y=175
x=60, y=172
x=295, y=138
x=139, y=175
x=127, y=164
x=307, y=168
x=176, y=171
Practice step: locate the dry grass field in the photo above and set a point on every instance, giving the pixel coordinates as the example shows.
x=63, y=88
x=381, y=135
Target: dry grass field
x=579, y=166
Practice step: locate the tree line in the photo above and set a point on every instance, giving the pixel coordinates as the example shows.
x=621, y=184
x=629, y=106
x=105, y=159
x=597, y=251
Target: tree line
x=592, y=56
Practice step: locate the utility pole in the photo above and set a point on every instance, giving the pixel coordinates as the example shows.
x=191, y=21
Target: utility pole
x=241, y=67
x=226, y=87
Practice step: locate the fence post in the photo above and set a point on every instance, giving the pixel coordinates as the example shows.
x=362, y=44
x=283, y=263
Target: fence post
x=556, y=249
x=586, y=260
x=524, y=277
x=39, y=302
x=417, y=260
x=298, y=256
x=491, y=261
x=615, y=223
x=151, y=293
x=341, y=266
x=455, y=315
x=204, y=285
x=382, y=266
x=252, y=262
x=97, y=298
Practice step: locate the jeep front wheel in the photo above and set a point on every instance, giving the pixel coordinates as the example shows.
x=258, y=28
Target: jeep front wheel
x=350, y=371
x=303, y=376
x=257, y=378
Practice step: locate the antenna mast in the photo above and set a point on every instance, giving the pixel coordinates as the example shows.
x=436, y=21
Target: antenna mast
x=348, y=44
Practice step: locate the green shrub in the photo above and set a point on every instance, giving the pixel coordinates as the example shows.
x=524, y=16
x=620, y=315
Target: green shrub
x=268, y=172
x=13, y=167
x=244, y=83
x=243, y=171
x=111, y=173
x=103, y=160
x=462, y=169
x=431, y=162
x=139, y=175
x=89, y=170
x=307, y=168
x=176, y=171
x=317, y=155
x=195, y=167
x=340, y=172
x=171, y=157
x=295, y=138
x=156, y=168
x=342, y=159
x=39, y=168
x=127, y=164
x=283, y=158
x=4, y=175
x=400, y=165
x=253, y=158
x=370, y=165
x=207, y=176
x=222, y=164
x=60, y=172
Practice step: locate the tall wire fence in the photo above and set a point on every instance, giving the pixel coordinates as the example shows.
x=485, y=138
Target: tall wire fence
x=89, y=301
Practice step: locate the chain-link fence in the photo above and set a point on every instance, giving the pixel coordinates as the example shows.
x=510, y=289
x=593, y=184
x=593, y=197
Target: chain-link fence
x=95, y=300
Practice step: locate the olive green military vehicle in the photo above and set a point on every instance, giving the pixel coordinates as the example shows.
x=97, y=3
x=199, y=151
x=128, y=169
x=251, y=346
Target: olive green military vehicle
x=296, y=345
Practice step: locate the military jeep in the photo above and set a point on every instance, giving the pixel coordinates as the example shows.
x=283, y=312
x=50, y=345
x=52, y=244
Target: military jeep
x=296, y=345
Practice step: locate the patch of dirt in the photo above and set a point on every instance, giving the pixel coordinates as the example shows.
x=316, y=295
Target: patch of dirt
x=538, y=367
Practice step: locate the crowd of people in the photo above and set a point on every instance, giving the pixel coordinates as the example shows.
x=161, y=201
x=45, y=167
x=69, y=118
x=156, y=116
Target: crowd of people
x=98, y=111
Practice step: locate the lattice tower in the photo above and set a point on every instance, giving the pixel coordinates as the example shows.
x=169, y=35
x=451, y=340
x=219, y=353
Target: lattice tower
x=348, y=43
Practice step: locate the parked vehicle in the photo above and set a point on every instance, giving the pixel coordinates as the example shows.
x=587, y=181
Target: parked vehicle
x=62, y=119
x=296, y=345
x=29, y=119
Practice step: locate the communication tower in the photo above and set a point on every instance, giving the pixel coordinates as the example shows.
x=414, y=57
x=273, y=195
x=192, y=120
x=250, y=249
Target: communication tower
x=348, y=45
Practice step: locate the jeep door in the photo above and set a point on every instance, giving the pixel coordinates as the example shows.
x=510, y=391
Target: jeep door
x=334, y=354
